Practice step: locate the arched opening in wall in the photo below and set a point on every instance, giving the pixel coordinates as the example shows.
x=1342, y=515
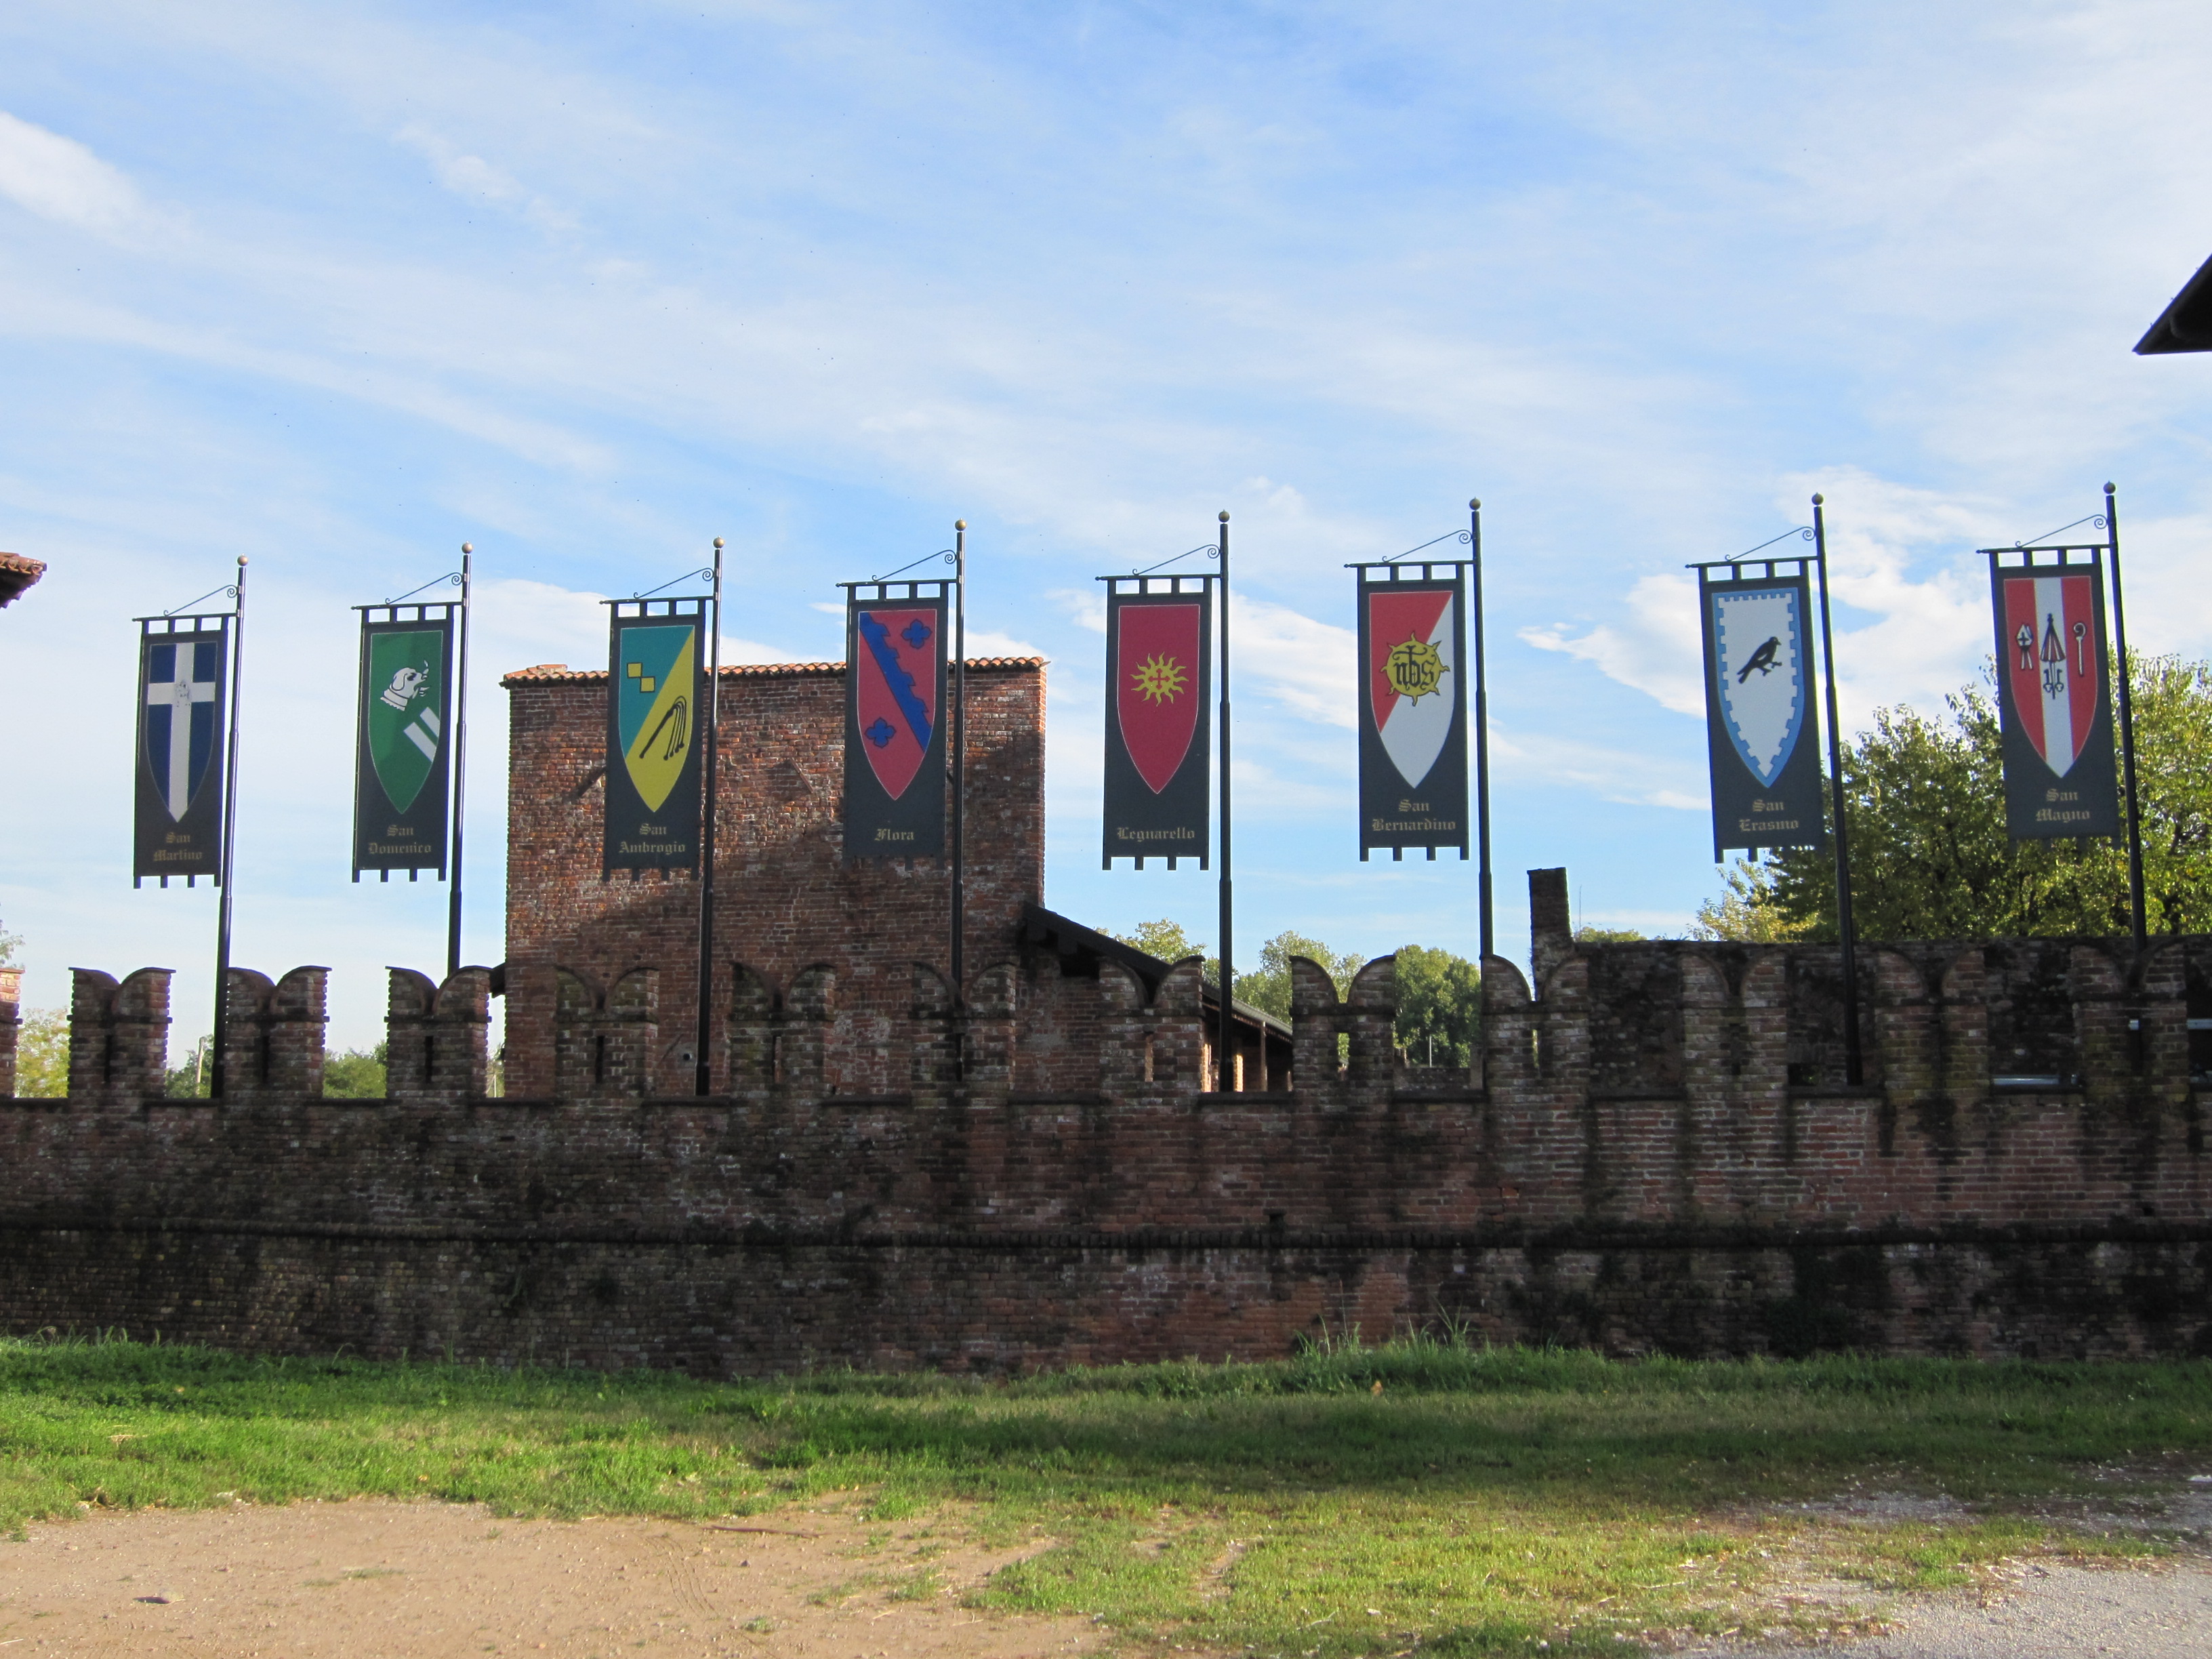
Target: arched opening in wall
x=2033, y=1042
x=1817, y=1057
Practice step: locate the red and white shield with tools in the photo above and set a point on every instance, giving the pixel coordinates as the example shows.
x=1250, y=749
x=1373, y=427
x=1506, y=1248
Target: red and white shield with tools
x=2054, y=661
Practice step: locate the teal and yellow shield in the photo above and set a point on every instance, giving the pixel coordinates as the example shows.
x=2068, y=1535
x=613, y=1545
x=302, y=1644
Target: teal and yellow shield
x=658, y=669
x=406, y=710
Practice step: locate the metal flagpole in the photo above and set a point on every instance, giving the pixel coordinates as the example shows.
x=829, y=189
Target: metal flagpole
x=1227, y=1065
x=702, y=1081
x=1481, y=738
x=230, y=833
x=459, y=803
x=960, y=777
x=1854, y=1060
x=2127, y=726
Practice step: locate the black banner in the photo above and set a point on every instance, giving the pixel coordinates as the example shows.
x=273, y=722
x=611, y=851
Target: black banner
x=183, y=715
x=896, y=719
x=404, y=739
x=2052, y=673
x=1761, y=725
x=655, y=677
x=1412, y=708
x=1159, y=672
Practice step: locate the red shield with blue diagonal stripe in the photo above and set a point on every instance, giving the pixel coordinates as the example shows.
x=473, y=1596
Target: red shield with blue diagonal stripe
x=894, y=690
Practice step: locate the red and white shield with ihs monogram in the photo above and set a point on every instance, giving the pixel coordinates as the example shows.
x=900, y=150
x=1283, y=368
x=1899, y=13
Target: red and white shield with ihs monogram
x=1410, y=660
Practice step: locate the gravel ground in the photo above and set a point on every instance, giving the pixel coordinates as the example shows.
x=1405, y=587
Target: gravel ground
x=2047, y=1613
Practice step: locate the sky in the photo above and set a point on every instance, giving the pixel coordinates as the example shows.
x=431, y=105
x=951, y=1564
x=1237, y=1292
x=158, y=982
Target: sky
x=337, y=288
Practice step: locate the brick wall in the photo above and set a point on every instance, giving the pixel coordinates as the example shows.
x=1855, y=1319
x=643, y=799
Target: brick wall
x=870, y=939
x=1658, y=1150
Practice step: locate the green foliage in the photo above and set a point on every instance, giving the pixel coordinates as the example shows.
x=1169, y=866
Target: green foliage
x=1163, y=939
x=1270, y=988
x=192, y=1078
x=1475, y=1499
x=42, y=1055
x=1439, y=1000
x=1588, y=934
x=1931, y=857
x=1748, y=912
x=356, y=1074
x=9, y=944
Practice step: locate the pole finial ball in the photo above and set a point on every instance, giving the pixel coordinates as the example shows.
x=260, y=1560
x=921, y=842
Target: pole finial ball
x=1474, y=503
x=960, y=524
x=1818, y=498
x=1224, y=515
x=241, y=560
x=718, y=544
x=2108, y=489
x=467, y=547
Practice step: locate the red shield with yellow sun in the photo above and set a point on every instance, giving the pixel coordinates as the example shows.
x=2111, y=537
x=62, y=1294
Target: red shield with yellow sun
x=1156, y=687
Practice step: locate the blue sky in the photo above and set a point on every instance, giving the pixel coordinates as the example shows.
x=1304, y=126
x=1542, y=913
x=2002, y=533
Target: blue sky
x=339, y=286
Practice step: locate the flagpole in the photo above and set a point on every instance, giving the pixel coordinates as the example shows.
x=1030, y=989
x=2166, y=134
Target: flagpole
x=1481, y=737
x=960, y=780
x=702, y=1081
x=1854, y=1059
x=1225, y=1065
x=461, y=772
x=230, y=832
x=2127, y=728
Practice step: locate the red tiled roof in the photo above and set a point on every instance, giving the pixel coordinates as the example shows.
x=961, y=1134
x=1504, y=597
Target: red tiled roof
x=17, y=574
x=559, y=673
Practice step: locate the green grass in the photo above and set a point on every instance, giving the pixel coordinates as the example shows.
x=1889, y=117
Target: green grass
x=1479, y=1501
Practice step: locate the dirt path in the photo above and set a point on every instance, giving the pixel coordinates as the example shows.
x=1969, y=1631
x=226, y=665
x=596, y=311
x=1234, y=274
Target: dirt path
x=372, y=1578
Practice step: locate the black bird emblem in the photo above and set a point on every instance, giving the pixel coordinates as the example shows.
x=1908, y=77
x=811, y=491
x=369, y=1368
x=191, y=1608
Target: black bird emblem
x=1762, y=659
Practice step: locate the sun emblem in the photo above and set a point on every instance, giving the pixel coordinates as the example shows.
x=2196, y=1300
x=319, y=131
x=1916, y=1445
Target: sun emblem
x=1415, y=669
x=1160, y=679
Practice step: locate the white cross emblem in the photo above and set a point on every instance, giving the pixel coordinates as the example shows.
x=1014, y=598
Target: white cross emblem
x=178, y=695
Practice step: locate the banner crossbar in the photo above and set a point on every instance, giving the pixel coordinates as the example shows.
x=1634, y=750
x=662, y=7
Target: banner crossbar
x=1769, y=568
x=1204, y=581
x=2027, y=554
x=939, y=586
x=1398, y=571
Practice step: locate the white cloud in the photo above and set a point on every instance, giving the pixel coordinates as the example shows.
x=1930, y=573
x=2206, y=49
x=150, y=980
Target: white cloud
x=1308, y=666
x=1655, y=649
x=60, y=179
x=473, y=178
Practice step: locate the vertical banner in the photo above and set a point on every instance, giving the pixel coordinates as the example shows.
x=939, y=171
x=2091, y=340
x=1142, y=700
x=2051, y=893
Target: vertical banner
x=1159, y=674
x=2056, y=719
x=894, y=725
x=182, y=706
x=1412, y=708
x=653, y=735
x=403, y=740
x=1761, y=727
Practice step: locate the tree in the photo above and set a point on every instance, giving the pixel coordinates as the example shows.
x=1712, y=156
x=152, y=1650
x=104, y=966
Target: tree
x=1269, y=988
x=193, y=1077
x=42, y=1055
x=1163, y=939
x=356, y=1074
x=1930, y=855
x=1587, y=934
x=1747, y=913
x=9, y=944
x=1440, y=1001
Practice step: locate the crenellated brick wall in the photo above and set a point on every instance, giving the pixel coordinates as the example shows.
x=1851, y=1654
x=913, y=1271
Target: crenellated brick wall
x=1656, y=1151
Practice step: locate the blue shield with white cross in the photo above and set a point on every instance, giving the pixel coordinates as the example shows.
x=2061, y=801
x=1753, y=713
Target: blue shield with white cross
x=181, y=700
